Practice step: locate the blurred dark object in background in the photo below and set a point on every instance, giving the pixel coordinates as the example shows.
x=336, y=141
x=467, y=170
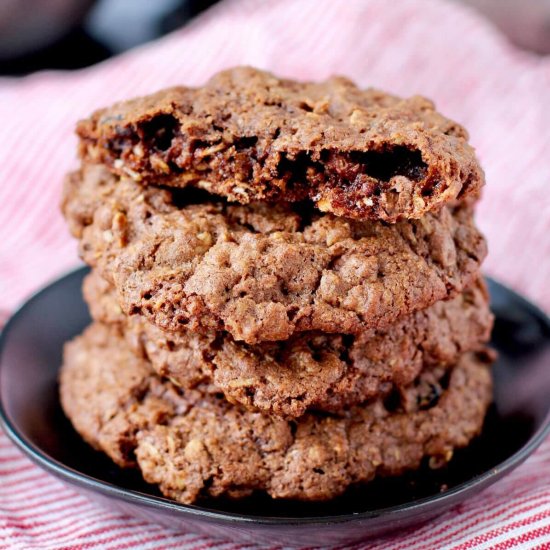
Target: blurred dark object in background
x=27, y=25
x=68, y=34
x=525, y=22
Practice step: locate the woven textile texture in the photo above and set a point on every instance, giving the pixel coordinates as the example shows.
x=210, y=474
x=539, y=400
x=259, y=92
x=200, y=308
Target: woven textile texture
x=434, y=48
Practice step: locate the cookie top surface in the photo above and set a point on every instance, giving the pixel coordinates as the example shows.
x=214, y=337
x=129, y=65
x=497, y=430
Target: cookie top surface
x=250, y=136
x=263, y=272
x=194, y=443
x=311, y=370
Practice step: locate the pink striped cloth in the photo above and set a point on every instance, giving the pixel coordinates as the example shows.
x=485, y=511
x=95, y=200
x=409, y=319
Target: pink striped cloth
x=430, y=47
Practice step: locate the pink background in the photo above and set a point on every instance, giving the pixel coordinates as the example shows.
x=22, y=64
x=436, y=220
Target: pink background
x=442, y=50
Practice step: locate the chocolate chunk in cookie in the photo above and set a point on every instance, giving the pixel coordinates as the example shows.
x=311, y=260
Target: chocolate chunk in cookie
x=249, y=136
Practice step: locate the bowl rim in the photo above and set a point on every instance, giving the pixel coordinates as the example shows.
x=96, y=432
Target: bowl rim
x=391, y=513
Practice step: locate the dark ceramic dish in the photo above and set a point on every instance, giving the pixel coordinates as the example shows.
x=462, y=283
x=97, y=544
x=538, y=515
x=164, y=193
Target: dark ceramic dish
x=30, y=355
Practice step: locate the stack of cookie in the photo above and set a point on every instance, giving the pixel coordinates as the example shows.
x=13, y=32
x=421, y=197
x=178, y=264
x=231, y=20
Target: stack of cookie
x=285, y=288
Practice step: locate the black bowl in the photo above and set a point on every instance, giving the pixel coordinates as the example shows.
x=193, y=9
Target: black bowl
x=30, y=355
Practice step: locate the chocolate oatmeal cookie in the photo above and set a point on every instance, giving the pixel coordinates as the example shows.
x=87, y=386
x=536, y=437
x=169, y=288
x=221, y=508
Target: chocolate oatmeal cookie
x=250, y=136
x=194, y=444
x=264, y=272
x=311, y=370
